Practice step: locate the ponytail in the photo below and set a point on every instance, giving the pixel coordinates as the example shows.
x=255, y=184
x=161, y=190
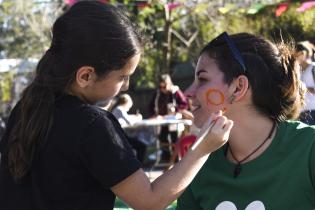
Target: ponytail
x=293, y=90
x=36, y=116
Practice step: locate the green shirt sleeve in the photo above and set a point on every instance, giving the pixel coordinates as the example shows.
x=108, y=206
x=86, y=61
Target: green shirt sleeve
x=312, y=164
x=187, y=201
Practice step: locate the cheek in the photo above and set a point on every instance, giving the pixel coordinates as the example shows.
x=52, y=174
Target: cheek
x=201, y=97
x=211, y=99
x=110, y=91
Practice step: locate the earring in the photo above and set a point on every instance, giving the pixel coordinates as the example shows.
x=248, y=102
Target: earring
x=231, y=99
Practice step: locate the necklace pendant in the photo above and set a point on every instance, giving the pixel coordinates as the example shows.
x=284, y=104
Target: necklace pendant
x=237, y=170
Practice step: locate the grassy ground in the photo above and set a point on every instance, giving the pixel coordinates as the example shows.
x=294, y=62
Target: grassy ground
x=119, y=205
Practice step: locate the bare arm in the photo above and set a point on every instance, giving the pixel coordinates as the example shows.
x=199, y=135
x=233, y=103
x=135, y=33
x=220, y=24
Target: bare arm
x=140, y=194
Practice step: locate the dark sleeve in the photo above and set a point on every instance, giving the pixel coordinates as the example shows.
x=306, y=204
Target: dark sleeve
x=106, y=152
x=187, y=201
x=181, y=100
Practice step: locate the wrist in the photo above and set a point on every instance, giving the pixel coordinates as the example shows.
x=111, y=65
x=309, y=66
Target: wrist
x=201, y=149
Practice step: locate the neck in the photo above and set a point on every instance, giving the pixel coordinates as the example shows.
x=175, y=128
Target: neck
x=247, y=135
x=74, y=91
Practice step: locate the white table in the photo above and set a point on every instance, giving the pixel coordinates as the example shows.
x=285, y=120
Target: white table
x=158, y=122
x=153, y=126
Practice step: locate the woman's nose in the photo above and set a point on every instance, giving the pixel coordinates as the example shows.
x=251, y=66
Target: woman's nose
x=190, y=91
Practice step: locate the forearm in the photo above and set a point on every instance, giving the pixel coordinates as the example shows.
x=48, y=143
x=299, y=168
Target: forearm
x=173, y=182
x=140, y=194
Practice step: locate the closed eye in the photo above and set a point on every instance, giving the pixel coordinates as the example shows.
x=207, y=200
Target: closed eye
x=202, y=80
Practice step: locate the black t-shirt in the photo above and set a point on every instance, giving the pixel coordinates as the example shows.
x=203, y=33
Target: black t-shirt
x=85, y=154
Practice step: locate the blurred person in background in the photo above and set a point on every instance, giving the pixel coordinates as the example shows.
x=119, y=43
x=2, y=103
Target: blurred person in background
x=305, y=52
x=169, y=102
x=120, y=110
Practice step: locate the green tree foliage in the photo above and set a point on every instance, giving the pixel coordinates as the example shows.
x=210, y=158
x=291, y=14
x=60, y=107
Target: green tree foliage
x=297, y=25
x=151, y=21
x=6, y=80
x=25, y=27
x=291, y=24
x=169, y=33
x=172, y=37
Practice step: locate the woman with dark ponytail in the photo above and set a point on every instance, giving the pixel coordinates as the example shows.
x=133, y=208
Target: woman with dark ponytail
x=60, y=151
x=269, y=160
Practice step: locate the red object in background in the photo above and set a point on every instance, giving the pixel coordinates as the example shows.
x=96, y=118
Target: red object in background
x=282, y=7
x=183, y=144
x=142, y=4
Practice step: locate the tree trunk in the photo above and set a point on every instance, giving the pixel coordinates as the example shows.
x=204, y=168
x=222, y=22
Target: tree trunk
x=167, y=44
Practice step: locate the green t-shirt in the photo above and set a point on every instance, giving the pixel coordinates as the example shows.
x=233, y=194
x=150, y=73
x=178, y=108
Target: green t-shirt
x=282, y=178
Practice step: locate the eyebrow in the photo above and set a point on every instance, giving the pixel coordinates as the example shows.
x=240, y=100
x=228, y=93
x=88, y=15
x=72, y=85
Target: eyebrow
x=200, y=71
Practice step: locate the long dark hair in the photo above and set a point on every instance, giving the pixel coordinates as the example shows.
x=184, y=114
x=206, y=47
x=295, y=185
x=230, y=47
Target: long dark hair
x=88, y=34
x=272, y=71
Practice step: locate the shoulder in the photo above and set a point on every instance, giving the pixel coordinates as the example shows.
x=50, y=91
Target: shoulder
x=92, y=114
x=100, y=117
x=295, y=135
x=117, y=112
x=102, y=128
x=177, y=92
x=298, y=128
x=79, y=112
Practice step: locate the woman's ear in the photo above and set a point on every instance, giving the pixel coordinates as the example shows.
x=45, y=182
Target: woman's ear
x=84, y=76
x=239, y=88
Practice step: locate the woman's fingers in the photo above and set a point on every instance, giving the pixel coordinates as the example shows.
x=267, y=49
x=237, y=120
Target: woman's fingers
x=207, y=126
x=221, y=129
x=219, y=123
x=228, y=125
x=222, y=124
x=215, y=132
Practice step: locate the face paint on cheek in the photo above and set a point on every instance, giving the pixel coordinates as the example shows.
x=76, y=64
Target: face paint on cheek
x=215, y=97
